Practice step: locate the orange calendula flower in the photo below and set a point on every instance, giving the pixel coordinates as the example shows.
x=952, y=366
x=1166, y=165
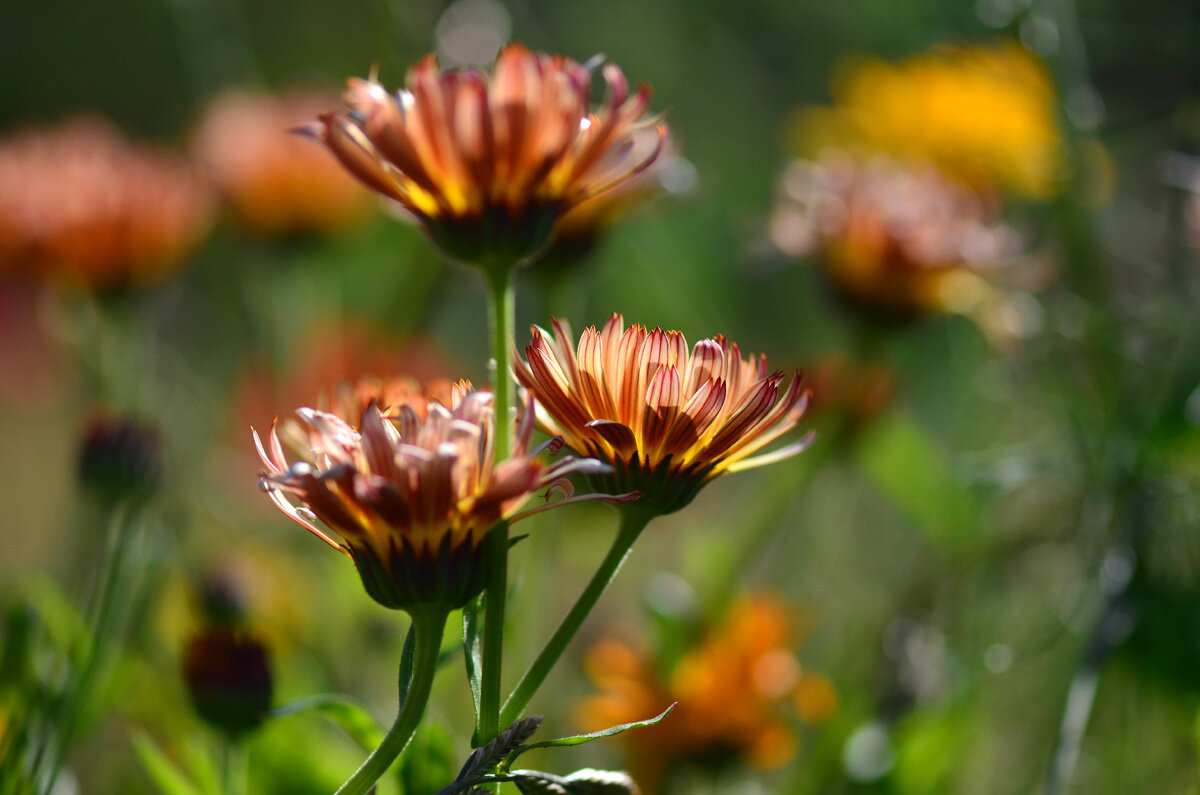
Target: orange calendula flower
x=276, y=185
x=411, y=492
x=667, y=420
x=894, y=239
x=736, y=694
x=490, y=163
x=82, y=205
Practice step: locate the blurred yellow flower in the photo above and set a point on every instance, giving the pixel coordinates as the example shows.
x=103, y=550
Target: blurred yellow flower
x=738, y=692
x=667, y=420
x=490, y=163
x=275, y=183
x=984, y=114
x=80, y=204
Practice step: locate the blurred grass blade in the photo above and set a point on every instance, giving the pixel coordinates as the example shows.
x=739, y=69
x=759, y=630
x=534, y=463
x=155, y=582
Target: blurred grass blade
x=165, y=773
x=351, y=716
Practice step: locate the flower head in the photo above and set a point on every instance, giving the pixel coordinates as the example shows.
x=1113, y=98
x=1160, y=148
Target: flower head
x=667, y=420
x=276, y=184
x=81, y=204
x=410, y=491
x=736, y=692
x=895, y=239
x=490, y=163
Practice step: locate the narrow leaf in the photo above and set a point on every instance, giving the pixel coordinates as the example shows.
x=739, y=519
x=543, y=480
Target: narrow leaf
x=351, y=716
x=580, y=739
x=472, y=653
x=165, y=773
x=406, y=663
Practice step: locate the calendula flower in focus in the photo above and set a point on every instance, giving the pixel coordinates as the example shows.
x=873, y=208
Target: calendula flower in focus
x=737, y=692
x=276, y=184
x=894, y=239
x=984, y=114
x=490, y=163
x=409, y=498
x=666, y=419
x=80, y=204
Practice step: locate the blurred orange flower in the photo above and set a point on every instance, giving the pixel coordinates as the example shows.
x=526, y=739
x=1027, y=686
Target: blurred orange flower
x=738, y=692
x=81, y=204
x=983, y=114
x=276, y=184
x=667, y=420
x=893, y=238
x=858, y=390
x=490, y=163
x=410, y=498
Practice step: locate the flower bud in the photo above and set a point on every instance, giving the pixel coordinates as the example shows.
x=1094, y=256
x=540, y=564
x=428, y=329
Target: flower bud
x=121, y=458
x=228, y=678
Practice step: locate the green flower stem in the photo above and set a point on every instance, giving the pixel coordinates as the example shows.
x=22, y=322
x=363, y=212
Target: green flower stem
x=429, y=623
x=233, y=767
x=634, y=519
x=501, y=306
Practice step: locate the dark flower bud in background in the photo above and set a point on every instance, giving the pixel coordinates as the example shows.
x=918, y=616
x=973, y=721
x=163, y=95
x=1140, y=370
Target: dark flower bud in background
x=120, y=458
x=228, y=678
x=222, y=598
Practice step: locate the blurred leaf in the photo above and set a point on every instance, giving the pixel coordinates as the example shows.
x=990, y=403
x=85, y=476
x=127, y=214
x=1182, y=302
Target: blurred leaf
x=203, y=767
x=915, y=472
x=347, y=713
x=63, y=621
x=17, y=657
x=165, y=773
x=428, y=761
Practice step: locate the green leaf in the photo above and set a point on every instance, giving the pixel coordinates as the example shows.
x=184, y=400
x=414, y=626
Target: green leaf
x=428, y=761
x=165, y=773
x=16, y=661
x=472, y=653
x=203, y=767
x=350, y=715
x=406, y=663
x=916, y=473
x=580, y=739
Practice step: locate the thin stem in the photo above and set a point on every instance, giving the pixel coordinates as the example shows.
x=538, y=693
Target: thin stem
x=501, y=313
x=233, y=767
x=429, y=624
x=633, y=521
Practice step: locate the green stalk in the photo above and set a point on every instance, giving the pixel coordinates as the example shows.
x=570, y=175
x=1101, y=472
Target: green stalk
x=634, y=519
x=428, y=623
x=233, y=767
x=501, y=315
